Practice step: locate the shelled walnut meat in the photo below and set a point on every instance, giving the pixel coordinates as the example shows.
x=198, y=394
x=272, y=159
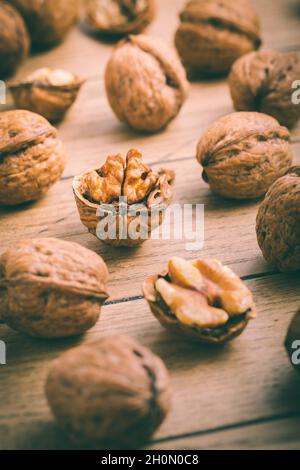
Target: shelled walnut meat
x=278, y=222
x=48, y=21
x=263, y=81
x=109, y=393
x=120, y=17
x=292, y=341
x=243, y=153
x=200, y=298
x=51, y=288
x=123, y=201
x=31, y=157
x=14, y=40
x=214, y=33
x=49, y=92
x=145, y=83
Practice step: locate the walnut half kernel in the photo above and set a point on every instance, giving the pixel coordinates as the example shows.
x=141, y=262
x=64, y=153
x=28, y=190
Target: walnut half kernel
x=201, y=298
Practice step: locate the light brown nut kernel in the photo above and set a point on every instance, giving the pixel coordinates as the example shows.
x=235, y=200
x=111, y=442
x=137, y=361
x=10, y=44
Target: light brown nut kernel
x=202, y=299
x=263, y=81
x=120, y=17
x=213, y=34
x=139, y=178
x=292, y=341
x=242, y=154
x=278, y=222
x=51, y=288
x=31, y=157
x=112, y=393
x=48, y=92
x=145, y=83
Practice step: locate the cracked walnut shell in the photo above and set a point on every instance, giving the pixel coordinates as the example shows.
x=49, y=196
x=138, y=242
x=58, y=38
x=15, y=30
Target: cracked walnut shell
x=31, y=157
x=200, y=298
x=214, y=33
x=145, y=83
x=51, y=288
x=243, y=153
x=278, y=222
x=263, y=81
x=120, y=17
x=122, y=202
x=14, y=40
x=292, y=341
x=112, y=392
x=48, y=92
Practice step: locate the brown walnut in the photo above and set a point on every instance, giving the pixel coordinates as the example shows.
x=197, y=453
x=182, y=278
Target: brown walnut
x=263, y=81
x=109, y=393
x=278, y=222
x=51, y=288
x=123, y=185
x=120, y=17
x=213, y=34
x=145, y=83
x=14, y=40
x=31, y=157
x=243, y=153
x=292, y=341
x=48, y=92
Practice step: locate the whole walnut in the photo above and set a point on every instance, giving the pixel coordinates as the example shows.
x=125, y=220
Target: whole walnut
x=243, y=153
x=109, y=393
x=48, y=21
x=201, y=299
x=263, y=81
x=120, y=17
x=51, y=288
x=14, y=40
x=292, y=341
x=31, y=157
x=213, y=34
x=145, y=83
x=278, y=222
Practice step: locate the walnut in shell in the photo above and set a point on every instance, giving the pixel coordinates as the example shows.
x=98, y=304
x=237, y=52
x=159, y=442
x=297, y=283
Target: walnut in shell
x=278, y=222
x=120, y=17
x=31, y=157
x=109, y=393
x=51, y=288
x=243, y=153
x=48, y=21
x=122, y=202
x=145, y=83
x=292, y=341
x=48, y=92
x=213, y=34
x=14, y=40
x=202, y=299
x=263, y=81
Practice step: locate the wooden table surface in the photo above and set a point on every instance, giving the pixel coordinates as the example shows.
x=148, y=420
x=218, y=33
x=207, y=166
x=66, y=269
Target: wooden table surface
x=245, y=395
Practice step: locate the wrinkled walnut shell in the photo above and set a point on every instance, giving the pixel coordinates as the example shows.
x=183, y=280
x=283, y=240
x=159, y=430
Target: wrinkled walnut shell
x=50, y=93
x=213, y=34
x=263, y=81
x=51, y=288
x=14, y=40
x=120, y=17
x=242, y=154
x=278, y=222
x=292, y=341
x=109, y=393
x=145, y=83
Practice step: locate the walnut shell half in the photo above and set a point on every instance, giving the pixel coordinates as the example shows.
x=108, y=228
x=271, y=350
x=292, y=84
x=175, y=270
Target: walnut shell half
x=145, y=83
x=120, y=17
x=123, y=201
x=278, y=222
x=48, y=92
x=292, y=341
x=51, y=288
x=242, y=154
x=213, y=34
x=202, y=299
x=31, y=157
x=109, y=393
x=262, y=81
